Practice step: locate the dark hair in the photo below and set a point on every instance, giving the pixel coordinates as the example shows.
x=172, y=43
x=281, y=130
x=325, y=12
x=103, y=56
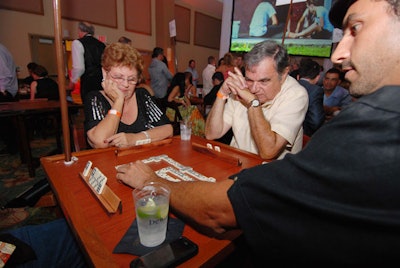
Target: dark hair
x=334, y=71
x=177, y=80
x=210, y=59
x=218, y=75
x=124, y=40
x=31, y=66
x=40, y=71
x=268, y=49
x=157, y=51
x=190, y=62
x=188, y=75
x=309, y=68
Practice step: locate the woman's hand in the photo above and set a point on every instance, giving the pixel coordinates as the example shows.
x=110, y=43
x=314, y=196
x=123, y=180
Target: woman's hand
x=119, y=140
x=111, y=89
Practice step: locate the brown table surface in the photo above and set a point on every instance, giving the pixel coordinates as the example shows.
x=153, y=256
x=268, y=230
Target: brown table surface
x=99, y=232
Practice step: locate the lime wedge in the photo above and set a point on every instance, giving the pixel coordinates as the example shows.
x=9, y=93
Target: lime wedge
x=162, y=211
x=148, y=210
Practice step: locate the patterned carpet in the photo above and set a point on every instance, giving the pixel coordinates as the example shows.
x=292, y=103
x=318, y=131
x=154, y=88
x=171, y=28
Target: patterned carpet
x=15, y=179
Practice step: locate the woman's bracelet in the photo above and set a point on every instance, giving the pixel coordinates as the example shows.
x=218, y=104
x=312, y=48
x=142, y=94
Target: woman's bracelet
x=114, y=112
x=144, y=141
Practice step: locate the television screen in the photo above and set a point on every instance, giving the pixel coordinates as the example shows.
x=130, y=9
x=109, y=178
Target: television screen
x=302, y=26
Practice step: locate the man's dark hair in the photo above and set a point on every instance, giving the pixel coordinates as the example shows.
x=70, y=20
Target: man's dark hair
x=218, y=75
x=334, y=71
x=157, y=51
x=309, y=68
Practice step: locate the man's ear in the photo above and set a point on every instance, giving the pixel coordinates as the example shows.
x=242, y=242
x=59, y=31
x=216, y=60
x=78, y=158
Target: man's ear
x=285, y=73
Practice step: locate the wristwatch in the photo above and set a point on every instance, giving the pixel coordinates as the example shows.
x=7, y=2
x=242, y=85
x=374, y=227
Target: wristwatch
x=254, y=103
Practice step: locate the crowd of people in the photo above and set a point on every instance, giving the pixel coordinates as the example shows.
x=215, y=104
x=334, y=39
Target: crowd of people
x=331, y=202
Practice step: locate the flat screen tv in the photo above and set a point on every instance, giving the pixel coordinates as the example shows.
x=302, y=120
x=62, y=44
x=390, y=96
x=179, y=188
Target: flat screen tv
x=302, y=26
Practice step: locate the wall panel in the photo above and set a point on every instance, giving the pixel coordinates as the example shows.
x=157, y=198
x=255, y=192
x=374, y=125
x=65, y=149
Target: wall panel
x=101, y=12
x=31, y=6
x=202, y=34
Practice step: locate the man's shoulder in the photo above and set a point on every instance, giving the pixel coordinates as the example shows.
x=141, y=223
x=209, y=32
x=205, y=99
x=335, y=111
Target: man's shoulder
x=340, y=91
x=292, y=84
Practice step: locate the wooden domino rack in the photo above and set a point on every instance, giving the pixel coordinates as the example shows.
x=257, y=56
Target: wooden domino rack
x=110, y=201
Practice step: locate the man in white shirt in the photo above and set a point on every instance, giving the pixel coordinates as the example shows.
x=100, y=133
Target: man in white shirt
x=207, y=74
x=86, y=60
x=265, y=108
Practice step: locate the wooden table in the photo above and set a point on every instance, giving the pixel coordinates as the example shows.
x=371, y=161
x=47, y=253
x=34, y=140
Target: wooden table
x=99, y=232
x=21, y=112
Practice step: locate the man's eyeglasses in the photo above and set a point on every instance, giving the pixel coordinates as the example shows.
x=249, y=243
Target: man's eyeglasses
x=120, y=79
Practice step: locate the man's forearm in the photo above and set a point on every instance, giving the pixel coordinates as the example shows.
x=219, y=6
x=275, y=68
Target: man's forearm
x=269, y=143
x=202, y=203
x=215, y=122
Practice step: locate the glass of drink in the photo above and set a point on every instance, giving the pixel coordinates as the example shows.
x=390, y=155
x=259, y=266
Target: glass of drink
x=186, y=130
x=152, y=206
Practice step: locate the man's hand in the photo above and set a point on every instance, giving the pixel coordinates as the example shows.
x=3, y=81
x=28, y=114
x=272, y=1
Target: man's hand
x=238, y=87
x=136, y=174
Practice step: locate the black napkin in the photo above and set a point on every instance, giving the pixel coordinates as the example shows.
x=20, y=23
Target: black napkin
x=130, y=242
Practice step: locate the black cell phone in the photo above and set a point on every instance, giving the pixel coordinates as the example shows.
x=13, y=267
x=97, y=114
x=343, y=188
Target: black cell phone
x=169, y=255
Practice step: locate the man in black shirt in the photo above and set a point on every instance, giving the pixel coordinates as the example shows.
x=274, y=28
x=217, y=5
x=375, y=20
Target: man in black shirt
x=335, y=203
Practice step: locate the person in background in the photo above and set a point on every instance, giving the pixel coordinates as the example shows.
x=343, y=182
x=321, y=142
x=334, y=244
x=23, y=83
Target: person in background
x=192, y=69
x=240, y=63
x=309, y=72
x=30, y=67
x=176, y=93
x=8, y=75
x=265, y=108
x=179, y=103
x=8, y=90
x=42, y=85
x=336, y=203
x=86, y=60
x=263, y=13
x=220, y=62
x=315, y=23
x=125, y=40
x=227, y=64
x=217, y=79
x=335, y=96
x=122, y=115
x=142, y=83
x=160, y=75
x=207, y=74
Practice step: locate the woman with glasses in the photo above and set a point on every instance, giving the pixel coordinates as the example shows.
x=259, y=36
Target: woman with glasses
x=122, y=115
